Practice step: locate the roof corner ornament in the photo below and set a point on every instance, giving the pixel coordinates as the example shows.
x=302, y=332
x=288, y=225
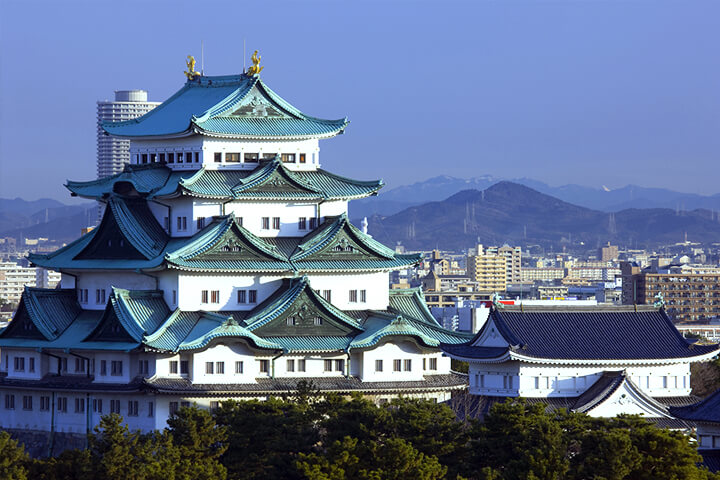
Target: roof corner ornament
x=496, y=300
x=256, y=68
x=659, y=301
x=191, y=73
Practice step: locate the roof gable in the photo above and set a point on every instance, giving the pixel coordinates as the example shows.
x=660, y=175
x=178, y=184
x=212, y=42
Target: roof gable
x=256, y=104
x=297, y=310
x=130, y=315
x=272, y=179
x=228, y=246
x=128, y=231
x=707, y=410
x=43, y=314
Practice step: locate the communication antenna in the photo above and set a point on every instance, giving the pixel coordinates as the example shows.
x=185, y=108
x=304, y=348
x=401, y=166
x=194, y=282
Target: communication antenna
x=202, y=57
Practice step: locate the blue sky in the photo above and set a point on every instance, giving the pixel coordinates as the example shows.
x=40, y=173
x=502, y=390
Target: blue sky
x=583, y=92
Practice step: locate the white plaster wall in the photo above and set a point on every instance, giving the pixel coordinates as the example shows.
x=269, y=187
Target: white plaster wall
x=334, y=208
x=8, y=358
x=375, y=284
x=388, y=351
x=229, y=354
x=314, y=365
x=708, y=435
x=109, y=357
x=177, y=145
x=67, y=281
x=289, y=213
x=190, y=287
x=547, y=380
x=168, y=282
x=70, y=420
x=309, y=147
x=106, y=280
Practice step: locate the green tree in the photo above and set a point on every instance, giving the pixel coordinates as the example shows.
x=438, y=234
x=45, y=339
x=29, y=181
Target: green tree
x=357, y=418
x=69, y=465
x=393, y=459
x=265, y=437
x=200, y=443
x=520, y=441
x=13, y=458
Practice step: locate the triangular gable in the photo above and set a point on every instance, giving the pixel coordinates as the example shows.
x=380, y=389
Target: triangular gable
x=256, y=104
x=623, y=397
x=272, y=179
x=128, y=230
x=227, y=329
x=228, y=243
x=297, y=310
x=130, y=315
x=377, y=329
x=338, y=239
x=43, y=314
x=492, y=334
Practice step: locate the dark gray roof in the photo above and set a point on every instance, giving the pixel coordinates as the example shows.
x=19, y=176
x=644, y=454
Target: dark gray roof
x=711, y=459
x=595, y=333
x=288, y=385
x=707, y=410
x=79, y=383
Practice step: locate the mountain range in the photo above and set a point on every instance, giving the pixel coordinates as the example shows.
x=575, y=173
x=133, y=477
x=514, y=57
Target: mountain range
x=512, y=213
x=603, y=199
x=44, y=218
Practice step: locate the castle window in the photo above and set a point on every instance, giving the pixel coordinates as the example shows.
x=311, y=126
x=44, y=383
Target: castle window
x=215, y=296
x=209, y=368
x=265, y=224
x=173, y=408
x=241, y=296
x=317, y=321
x=114, y=406
x=290, y=321
x=188, y=157
x=407, y=365
x=100, y=296
x=27, y=402
x=397, y=364
x=162, y=158
x=291, y=365
x=79, y=405
x=264, y=366
x=276, y=223
x=301, y=365
x=220, y=368
x=31, y=367
x=353, y=296
x=378, y=365
x=144, y=158
x=44, y=403
x=251, y=157
x=79, y=365
x=339, y=365
x=252, y=294
x=218, y=157
x=197, y=157
x=313, y=223
x=288, y=157
x=269, y=156
x=363, y=296
x=302, y=223
x=171, y=157
x=143, y=367
x=103, y=367
x=184, y=367
x=214, y=405
x=204, y=296
x=232, y=158
x=327, y=295
x=62, y=404
x=116, y=367
x=153, y=157
x=239, y=367
x=19, y=364
x=327, y=366
x=174, y=297
x=200, y=223
x=433, y=364
x=151, y=409
x=173, y=367
x=302, y=158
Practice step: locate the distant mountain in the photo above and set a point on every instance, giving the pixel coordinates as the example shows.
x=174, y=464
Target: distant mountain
x=511, y=213
x=438, y=188
x=44, y=218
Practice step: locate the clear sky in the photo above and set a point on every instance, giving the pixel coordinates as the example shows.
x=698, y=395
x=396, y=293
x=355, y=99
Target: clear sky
x=585, y=92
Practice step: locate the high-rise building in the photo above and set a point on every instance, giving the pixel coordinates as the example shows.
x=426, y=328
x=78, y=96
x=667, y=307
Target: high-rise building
x=114, y=153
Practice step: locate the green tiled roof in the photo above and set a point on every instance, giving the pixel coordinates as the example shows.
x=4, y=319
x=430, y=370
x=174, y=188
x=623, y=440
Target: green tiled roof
x=159, y=181
x=50, y=310
x=239, y=106
x=146, y=319
x=140, y=312
x=214, y=249
x=376, y=329
x=284, y=299
x=138, y=225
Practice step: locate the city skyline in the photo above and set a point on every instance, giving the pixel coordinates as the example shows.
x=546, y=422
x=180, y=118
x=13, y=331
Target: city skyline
x=594, y=94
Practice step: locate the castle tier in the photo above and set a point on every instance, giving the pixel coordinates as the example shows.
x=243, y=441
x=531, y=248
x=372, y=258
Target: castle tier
x=224, y=267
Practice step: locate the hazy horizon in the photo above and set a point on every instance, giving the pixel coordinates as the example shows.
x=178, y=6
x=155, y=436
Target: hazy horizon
x=587, y=93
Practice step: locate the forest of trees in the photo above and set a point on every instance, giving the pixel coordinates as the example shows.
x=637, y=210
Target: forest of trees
x=307, y=436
